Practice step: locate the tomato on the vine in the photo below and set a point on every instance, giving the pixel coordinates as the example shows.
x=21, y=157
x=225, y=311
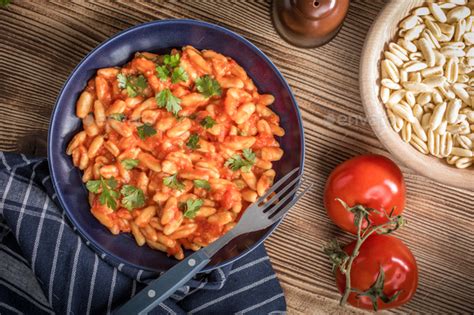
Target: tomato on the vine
x=372, y=181
x=400, y=272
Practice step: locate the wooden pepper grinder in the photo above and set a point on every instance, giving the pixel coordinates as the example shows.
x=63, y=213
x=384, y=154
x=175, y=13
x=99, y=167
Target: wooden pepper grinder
x=309, y=23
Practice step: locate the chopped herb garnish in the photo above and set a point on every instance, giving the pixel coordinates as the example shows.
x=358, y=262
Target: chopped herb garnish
x=108, y=195
x=133, y=197
x=193, y=142
x=202, y=183
x=162, y=72
x=179, y=75
x=117, y=116
x=191, y=207
x=171, y=60
x=249, y=155
x=131, y=91
x=4, y=3
x=207, y=86
x=166, y=99
x=171, y=68
x=93, y=186
x=173, y=182
x=145, y=131
x=135, y=85
x=208, y=122
x=129, y=164
x=236, y=162
x=122, y=80
x=140, y=83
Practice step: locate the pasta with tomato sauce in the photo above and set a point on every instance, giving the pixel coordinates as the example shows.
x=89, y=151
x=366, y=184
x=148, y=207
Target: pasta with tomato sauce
x=175, y=147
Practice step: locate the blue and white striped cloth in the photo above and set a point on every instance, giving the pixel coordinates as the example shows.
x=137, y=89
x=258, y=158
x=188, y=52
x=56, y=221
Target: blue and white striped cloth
x=45, y=267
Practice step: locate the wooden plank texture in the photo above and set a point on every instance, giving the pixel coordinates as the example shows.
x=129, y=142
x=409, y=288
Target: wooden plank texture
x=41, y=42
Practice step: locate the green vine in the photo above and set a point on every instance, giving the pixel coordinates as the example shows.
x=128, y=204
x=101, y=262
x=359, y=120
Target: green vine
x=342, y=261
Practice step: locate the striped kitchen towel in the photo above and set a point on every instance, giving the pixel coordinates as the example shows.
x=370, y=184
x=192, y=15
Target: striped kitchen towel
x=45, y=267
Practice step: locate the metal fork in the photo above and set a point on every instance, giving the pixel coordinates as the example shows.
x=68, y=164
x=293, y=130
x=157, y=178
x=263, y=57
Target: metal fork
x=258, y=216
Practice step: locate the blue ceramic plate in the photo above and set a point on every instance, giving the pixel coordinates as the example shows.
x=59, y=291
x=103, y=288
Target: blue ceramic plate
x=161, y=37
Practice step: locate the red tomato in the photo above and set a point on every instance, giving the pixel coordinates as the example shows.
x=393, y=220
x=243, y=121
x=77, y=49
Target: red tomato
x=398, y=263
x=373, y=181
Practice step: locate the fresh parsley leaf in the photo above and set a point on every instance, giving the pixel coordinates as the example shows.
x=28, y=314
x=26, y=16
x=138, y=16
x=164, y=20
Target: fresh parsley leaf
x=93, y=186
x=140, y=82
x=162, y=72
x=4, y=3
x=108, y=196
x=111, y=182
x=193, y=142
x=202, y=183
x=236, y=162
x=117, y=116
x=246, y=167
x=145, y=131
x=191, y=207
x=108, y=199
x=207, y=86
x=122, y=80
x=171, y=60
x=166, y=99
x=208, y=122
x=128, y=164
x=173, y=182
x=134, y=85
x=171, y=67
x=179, y=75
x=133, y=197
x=249, y=155
x=130, y=91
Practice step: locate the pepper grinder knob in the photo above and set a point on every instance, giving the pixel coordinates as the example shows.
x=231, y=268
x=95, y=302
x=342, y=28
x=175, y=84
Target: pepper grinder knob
x=309, y=23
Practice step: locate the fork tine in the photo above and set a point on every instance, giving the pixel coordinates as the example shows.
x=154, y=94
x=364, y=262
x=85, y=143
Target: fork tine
x=281, y=192
x=284, y=199
x=277, y=185
x=277, y=215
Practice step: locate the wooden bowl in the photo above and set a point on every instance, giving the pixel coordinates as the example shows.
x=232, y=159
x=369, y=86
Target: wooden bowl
x=381, y=33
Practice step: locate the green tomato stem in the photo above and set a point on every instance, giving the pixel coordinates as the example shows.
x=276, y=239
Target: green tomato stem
x=361, y=238
x=354, y=254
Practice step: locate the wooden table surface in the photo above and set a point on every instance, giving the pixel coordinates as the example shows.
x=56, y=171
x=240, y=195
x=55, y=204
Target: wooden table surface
x=40, y=44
